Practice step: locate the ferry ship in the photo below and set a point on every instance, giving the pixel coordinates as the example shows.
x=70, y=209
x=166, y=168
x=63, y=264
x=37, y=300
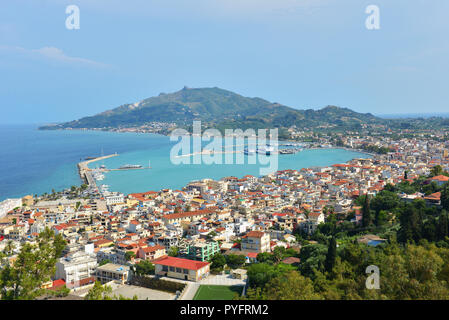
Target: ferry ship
x=131, y=166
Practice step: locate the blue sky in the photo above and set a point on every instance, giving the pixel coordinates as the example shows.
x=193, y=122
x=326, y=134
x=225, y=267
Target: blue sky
x=301, y=53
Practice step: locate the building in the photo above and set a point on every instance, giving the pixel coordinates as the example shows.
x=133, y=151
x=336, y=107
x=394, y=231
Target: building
x=179, y=268
x=76, y=267
x=202, y=251
x=112, y=272
x=256, y=241
x=113, y=199
x=152, y=252
x=8, y=205
x=440, y=180
x=186, y=216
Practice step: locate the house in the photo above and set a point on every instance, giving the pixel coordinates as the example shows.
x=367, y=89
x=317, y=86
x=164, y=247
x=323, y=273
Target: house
x=440, y=180
x=134, y=226
x=256, y=241
x=180, y=268
x=151, y=253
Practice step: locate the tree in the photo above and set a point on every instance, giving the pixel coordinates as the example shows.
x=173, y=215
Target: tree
x=331, y=255
x=144, y=267
x=99, y=292
x=366, y=213
x=235, y=260
x=278, y=254
x=264, y=257
x=129, y=255
x=445, y=197
x=35, y=264
x=443, y=226
x=436, y=171
x=218, y=261
x=211, y=235
x=173, y=251
x=9, y=248
x=289, y=286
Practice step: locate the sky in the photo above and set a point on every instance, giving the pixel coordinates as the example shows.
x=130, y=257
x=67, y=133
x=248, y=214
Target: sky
x=301, y=53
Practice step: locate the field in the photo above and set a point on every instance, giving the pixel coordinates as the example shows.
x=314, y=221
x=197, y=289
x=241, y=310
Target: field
x=212, y=292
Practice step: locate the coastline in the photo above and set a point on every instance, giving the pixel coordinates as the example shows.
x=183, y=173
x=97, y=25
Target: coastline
x=78, y=179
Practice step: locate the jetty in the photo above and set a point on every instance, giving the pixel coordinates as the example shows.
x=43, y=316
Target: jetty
x=85, y=172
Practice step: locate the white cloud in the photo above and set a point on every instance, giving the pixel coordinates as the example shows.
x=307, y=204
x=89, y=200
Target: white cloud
x=52, y=54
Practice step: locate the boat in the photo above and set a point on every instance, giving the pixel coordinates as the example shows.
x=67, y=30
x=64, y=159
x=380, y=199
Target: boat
x=131, y=166
x=265, y=150
x=249, y=151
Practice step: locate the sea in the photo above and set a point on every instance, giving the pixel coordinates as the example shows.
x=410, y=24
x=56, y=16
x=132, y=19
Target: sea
x=33, y=161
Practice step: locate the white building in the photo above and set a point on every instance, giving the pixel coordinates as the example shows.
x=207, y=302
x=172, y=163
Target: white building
x=76, y=267
x=8, y=205
x=115, y=198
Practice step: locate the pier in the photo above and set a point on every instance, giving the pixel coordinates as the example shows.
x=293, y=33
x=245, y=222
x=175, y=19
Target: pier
x=85, y=172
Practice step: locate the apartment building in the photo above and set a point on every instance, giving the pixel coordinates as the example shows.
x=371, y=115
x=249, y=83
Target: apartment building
x=256, y=241
x=76, y=267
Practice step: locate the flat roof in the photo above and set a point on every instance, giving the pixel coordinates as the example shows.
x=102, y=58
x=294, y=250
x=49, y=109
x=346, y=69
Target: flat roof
x=112, y=267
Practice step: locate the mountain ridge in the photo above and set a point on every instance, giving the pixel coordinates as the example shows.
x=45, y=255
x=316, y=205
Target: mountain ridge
x=217, y=107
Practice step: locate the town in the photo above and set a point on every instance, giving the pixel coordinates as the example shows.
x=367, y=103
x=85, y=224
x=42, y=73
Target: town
x=142, y=242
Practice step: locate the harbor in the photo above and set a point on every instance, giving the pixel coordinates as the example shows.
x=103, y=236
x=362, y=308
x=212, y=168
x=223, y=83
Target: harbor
x=91, y=176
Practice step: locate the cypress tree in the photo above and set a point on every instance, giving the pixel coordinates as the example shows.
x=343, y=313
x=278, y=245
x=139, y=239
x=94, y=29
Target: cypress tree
x=366, y=212
x=443, y=226
x=331, y=256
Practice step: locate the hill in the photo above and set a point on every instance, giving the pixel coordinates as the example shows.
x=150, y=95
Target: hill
x=219, y=108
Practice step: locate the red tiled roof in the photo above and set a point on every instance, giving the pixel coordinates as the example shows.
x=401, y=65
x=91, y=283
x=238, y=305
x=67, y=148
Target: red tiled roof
x=153, y=248
x=440, y=178
x=255, y=234
x=181, y=263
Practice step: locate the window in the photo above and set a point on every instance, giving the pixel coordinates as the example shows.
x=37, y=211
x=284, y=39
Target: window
x=185, y=271
x=178, y=270
x=172, y=269
x=164, y=268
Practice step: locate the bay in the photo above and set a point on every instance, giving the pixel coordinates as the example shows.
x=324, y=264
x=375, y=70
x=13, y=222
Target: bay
x=34, y=161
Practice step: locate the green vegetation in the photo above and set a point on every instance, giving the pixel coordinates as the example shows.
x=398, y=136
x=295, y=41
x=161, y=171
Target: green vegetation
x=173, y=251
x=35, y=264
x=144, y=267
x=158, y=284
x=103, y=292
x=213, y=292
x=413, y=262
x=129, y=255
x=220, y=109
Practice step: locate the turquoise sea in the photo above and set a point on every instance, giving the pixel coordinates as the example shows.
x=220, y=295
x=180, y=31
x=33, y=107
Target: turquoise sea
x=34, y=161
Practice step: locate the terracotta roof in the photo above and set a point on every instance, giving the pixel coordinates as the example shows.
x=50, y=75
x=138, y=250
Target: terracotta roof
x=153, y=248
x=255, y=234
x=181, y=263
x=440, y=178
